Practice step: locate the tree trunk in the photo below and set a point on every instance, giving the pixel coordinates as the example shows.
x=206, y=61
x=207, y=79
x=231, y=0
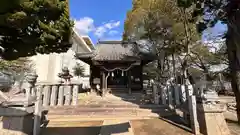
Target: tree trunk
x=233, y=49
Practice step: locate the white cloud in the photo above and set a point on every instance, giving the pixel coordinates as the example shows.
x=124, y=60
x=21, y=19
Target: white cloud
x=100, y=31
x=86, y=25
x=112, y=24
x=113, y=32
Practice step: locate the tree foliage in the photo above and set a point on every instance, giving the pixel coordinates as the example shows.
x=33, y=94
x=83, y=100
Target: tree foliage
x=208, y=13
x=164, y=25
x=28, y=27
x=171, y=30
x=17, y=68
x=78, y=70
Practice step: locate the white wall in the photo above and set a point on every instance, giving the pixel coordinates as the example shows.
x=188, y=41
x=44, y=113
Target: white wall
x=48, y=66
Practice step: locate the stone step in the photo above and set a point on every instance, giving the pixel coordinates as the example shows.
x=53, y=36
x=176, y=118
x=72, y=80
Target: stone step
x=54, y=119
x=104, y=111
x=143, y=106
x=72, y=115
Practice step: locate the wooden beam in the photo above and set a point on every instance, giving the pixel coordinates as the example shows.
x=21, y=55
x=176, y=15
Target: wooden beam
x=137, y=63
x=96, y=63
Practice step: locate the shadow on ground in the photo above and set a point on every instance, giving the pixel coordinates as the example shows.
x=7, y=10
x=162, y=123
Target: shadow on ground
x=86, y=129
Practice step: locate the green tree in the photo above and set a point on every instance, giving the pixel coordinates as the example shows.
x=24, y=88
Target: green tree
x=167, y=29
x=208, y=13
x=17, y=66
x=78, y=70
x=34, y=26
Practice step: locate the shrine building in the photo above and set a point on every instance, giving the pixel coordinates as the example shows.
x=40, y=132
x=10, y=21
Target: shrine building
x=116, y=66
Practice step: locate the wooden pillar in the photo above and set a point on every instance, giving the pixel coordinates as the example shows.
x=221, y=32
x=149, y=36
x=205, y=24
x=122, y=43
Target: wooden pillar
x=129, y=82
x=141, y=78
x=91, y=77
x=103, y=83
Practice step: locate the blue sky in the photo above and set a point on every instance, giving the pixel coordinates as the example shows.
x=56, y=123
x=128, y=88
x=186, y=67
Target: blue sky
x=100, y=19
x=104, y=19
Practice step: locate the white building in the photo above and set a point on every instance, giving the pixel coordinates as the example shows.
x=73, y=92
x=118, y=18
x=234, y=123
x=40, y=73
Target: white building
x=48, y=66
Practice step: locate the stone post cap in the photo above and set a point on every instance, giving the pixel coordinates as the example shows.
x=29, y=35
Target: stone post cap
x=32, y=78
x=20, y=100
x=212, y=108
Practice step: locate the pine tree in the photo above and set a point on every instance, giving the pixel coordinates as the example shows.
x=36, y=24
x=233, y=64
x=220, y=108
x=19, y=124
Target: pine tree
x=78, y=70
x=33, y=26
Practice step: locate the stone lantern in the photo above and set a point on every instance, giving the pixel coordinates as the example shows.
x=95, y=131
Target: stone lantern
x=31, y=79
x=65, y=75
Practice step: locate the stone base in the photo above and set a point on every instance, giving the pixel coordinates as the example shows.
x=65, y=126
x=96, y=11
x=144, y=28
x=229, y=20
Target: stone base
x=211, y=120
x=210, y=97
x=16, y=125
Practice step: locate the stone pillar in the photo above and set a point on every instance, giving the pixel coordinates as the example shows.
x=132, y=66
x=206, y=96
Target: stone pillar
x=211, y=119
x=38, y=112
x=183, y=94
x=75, y=95
x=46, y=95
x=193, y=115
x=163, y=94
x=170, y=95
x=54, y=93
x=176, y=93
x=155, y=93
x=68, y=94
x=60, y=95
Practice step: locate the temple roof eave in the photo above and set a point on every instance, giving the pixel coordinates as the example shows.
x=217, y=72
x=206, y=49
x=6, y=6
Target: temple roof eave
x=115, y=52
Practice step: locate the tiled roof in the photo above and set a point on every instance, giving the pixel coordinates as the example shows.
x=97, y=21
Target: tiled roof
x=113, y=50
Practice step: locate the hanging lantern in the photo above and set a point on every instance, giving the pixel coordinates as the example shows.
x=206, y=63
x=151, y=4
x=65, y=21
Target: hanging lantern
x=112, y=74
x=122, y=73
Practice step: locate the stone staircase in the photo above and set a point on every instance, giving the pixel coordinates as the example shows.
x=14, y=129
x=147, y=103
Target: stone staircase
x=106, y=112
x=119, y=106
x=111, y=115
